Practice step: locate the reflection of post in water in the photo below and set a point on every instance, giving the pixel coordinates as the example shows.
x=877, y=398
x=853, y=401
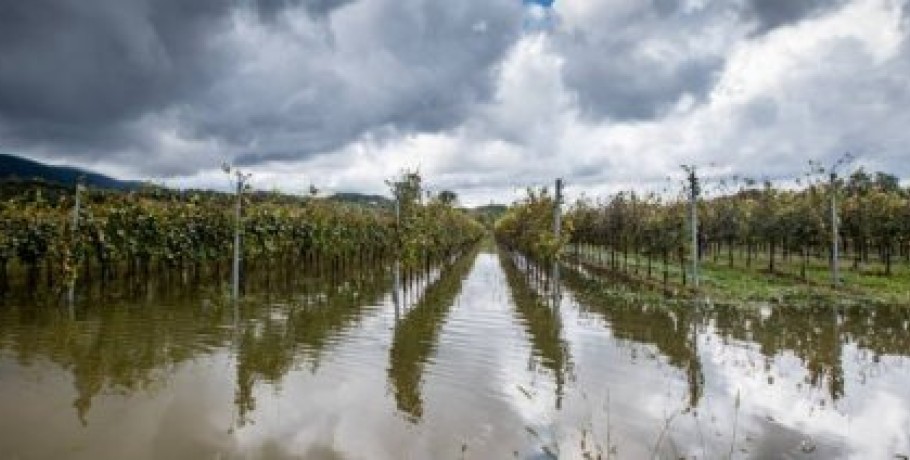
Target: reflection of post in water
x=274, y=339
x=396, y=288
x=555, y=289
x=417, y=332
x=237, y=418
x=542, y=323
x=694, y=374
x=672, y=329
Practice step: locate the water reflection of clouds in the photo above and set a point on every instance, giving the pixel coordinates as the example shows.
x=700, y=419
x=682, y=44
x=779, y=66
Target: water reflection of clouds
x=780, y=411
x=776, y=416
x=881, y=427
x=488, y=378
x=625, y=391
x=783, y=409
x=340, y=409
x=467, y=387
x=481, y=362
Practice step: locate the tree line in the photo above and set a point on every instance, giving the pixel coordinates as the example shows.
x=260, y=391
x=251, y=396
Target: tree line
x=784, y=229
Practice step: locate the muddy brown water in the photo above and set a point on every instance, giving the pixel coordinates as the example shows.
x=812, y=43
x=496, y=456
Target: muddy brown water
x=475, y=361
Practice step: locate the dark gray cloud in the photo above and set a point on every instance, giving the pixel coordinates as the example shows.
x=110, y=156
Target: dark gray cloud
x=70, y=62
x=412, y=67
x=771, y=14
x=83, y=78
x=269, y=9
x=623, y=86
x=81, y=63
x=634, y=63
x=637, y=63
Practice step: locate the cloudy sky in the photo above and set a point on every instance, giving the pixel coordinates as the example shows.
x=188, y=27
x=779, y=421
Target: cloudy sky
x=485, y=97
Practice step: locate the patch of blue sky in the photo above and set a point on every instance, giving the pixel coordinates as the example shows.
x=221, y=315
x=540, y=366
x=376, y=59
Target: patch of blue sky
x=539, y=16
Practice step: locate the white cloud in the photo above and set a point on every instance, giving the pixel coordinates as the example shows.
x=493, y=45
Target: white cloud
x=612, y=94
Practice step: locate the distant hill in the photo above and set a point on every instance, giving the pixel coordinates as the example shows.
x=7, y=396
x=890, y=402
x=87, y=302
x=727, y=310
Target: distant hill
x=17, y=174
x=496, y=209
x=362, y=199
x=488, y=214
x=13, y=168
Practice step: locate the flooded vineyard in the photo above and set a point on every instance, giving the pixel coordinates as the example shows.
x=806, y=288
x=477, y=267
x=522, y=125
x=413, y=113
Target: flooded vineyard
x=482, y=357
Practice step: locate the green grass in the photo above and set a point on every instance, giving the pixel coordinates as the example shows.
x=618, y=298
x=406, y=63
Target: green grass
x=741, y=284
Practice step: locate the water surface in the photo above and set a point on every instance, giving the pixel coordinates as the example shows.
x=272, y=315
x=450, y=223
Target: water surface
x=477, y=360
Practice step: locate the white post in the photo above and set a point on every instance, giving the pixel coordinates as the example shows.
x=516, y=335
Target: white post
x=71, y=292
x=396, y=274
x=835, y=246
x=557, y=231
x=693, y=211
x=235, y=272
x=557, y=214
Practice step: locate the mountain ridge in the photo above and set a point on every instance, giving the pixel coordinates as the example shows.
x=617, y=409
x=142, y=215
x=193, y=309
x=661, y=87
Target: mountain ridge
x=16, y=171
x=13, y=167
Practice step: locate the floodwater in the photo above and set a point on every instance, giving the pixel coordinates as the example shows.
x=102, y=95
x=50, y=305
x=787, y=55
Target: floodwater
x=479, y=360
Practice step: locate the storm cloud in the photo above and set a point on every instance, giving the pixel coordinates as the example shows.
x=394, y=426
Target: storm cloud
x=772, y=14
x=262, y=80
x=482, y=96
x=70, y=62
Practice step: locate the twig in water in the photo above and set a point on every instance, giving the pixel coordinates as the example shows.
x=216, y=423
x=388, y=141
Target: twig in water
x=735, y=422
x=663, y=431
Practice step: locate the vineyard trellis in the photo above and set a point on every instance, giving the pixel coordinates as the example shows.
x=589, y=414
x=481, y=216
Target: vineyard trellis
x=782, y=223
x=189, y=234
x=529, y=227
x=795, y=230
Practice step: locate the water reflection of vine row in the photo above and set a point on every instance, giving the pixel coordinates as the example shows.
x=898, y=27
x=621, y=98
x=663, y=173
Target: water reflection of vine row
x=122, y=343
x=417, y=328
x=539, y=314
x=816, y=334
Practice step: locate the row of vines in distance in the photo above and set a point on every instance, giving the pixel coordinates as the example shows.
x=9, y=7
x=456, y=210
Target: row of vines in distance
x=130, y=234
x=527, y=227
x=757, y=225
x=782, y=231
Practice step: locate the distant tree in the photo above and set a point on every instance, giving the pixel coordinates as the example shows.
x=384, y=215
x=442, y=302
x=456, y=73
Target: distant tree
x=406, y=188
x=448, y=197
x=887, y=183
x=859, y=183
